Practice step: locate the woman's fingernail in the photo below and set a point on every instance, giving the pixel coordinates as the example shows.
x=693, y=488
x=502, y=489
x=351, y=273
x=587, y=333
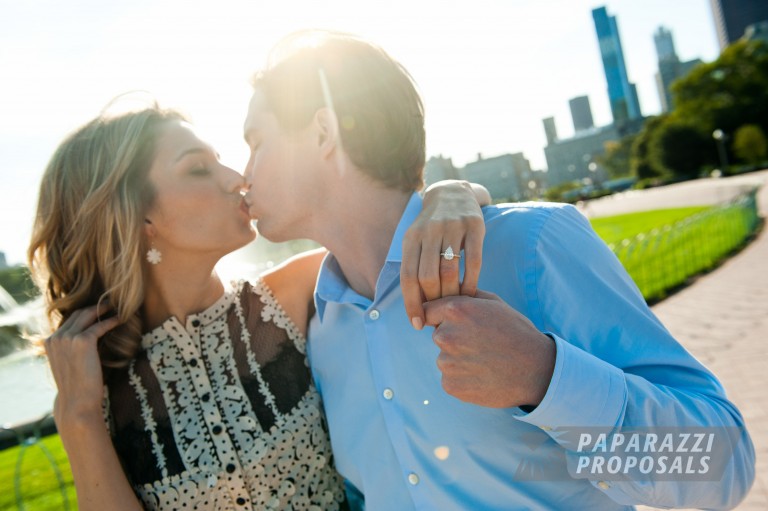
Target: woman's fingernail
x=417, y=323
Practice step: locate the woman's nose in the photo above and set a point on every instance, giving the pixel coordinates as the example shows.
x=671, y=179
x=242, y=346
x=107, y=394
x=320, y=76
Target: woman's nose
x=233, y=181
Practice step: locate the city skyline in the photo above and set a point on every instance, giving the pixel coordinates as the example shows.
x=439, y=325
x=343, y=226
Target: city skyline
x=488, y=72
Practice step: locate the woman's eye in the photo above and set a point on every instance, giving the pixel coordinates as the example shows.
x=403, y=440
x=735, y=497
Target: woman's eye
x=199, y=171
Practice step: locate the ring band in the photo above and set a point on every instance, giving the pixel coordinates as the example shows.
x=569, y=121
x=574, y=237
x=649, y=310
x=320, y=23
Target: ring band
x=448, y=255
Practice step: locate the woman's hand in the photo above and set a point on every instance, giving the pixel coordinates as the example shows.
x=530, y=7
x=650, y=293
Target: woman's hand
x=99, y=478
x=451, y=217
x=76, y=366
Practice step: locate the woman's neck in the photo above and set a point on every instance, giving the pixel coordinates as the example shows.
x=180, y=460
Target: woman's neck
x=178, y=290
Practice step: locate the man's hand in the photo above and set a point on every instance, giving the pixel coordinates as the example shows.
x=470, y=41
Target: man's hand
x=490, y=354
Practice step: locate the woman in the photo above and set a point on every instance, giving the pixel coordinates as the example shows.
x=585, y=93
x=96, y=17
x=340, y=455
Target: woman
x=209, y=402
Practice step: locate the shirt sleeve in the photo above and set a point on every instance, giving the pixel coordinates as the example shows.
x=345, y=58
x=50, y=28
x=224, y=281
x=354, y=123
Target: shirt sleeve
x=618, y=367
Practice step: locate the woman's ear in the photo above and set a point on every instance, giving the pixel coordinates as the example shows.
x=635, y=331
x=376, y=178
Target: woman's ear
x=149, y=229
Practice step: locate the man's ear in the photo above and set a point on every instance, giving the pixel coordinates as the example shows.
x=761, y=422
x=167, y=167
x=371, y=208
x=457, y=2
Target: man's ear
x=327, y=126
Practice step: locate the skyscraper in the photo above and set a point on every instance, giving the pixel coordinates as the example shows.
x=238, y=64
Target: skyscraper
x=622, y=94
x=581, y=113
x=550, y=130
x=732, y=17
x=665, y=45
x=670, y=67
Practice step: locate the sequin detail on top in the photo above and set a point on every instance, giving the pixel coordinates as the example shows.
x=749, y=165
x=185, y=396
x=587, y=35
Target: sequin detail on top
x=222, y=413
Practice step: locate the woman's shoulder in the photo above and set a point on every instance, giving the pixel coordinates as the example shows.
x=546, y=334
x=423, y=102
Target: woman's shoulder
x=292, y=285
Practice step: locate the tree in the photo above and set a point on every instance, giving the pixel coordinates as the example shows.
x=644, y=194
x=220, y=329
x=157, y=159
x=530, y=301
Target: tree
x=727, y=93
x=616, y=160
x=750, y=144
x=18, y=282
x=640, y=163
x=724, y=94
x=680, y=149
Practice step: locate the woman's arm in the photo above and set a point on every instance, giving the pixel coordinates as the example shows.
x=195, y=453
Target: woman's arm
x=99, y=478
x=450, y=217
x=481, y=193
x=451, y=211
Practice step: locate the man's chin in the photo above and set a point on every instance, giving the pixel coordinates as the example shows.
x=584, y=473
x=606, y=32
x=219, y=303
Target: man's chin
x=268, y=232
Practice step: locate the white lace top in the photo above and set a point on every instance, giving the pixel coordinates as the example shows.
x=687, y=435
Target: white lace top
x=221, y=413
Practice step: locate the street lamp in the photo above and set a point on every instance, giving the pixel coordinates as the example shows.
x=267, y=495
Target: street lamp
x=720, y=137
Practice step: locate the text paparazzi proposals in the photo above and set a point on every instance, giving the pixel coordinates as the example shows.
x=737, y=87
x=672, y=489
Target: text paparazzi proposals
x=640, y=454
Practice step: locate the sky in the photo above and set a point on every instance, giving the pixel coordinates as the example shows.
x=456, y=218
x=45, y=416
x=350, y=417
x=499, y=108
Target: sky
x=488, y=70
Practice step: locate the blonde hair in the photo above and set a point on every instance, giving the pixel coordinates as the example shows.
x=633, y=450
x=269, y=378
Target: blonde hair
x=87, y=240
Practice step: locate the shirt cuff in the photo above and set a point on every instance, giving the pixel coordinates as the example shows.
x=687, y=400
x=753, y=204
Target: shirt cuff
x=585, y=391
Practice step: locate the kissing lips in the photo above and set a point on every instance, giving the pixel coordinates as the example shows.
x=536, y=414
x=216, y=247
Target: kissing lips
x=245, y=208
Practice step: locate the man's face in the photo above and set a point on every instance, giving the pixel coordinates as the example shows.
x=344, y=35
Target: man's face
x=280, y=173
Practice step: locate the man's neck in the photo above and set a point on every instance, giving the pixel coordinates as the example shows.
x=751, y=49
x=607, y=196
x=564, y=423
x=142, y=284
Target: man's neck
x=357, y=227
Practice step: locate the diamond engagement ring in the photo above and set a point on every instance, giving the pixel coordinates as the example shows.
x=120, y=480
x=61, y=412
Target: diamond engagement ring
x=448, y=254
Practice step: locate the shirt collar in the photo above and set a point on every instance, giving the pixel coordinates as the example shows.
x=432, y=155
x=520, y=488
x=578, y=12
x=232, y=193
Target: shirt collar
x=332, y=286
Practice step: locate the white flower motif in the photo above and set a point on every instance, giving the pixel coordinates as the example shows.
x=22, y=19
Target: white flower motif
x=154, y=256
x=287, y=466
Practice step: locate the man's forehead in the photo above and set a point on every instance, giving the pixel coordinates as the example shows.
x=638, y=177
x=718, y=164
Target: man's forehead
x=256, y=111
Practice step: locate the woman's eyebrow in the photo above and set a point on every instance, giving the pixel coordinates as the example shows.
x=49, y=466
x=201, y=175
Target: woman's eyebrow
x=193, y=150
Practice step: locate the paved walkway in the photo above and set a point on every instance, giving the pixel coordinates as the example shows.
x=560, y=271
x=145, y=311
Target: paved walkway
x=723, y=320
x=688, y=193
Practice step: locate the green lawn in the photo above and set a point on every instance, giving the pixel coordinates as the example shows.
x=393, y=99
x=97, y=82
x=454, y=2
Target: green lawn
x=39, y=485
x=662, y=249
x=614, y=229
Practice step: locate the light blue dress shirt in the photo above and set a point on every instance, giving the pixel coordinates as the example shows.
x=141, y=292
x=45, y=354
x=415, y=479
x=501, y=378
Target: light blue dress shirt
x=406, y=444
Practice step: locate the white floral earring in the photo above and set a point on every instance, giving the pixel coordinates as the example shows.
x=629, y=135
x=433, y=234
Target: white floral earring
x=154, y=256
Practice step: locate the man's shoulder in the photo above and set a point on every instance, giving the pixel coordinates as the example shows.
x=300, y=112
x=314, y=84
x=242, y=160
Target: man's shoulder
x=526, y=208
x=524, y=216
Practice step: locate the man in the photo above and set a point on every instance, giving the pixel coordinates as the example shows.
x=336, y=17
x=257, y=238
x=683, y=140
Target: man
x=468, y=403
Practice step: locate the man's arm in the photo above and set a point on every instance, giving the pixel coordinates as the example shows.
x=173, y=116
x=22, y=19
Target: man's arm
x=616, y=367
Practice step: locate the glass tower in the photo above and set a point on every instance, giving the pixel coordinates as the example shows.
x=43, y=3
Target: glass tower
x=732, y=17
x=622, y=94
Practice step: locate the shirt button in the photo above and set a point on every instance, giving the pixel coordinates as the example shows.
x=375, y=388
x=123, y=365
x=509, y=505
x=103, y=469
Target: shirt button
x=230, y=468
x=206, y=397
x=217, y=429
x=603, y=485
x=193, y=362
x=195, y=323
x=388, y=394
x=240, y=501
x=374, y=314
x=413, y=479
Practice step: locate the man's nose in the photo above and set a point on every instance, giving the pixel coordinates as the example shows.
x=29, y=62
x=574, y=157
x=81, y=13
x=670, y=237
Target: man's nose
x=248, y=174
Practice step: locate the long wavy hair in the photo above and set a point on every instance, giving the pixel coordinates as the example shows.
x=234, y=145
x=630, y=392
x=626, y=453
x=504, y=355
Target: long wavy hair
x=88, y=240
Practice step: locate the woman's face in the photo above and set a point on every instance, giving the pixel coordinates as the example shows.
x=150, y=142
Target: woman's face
x=198, y=208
